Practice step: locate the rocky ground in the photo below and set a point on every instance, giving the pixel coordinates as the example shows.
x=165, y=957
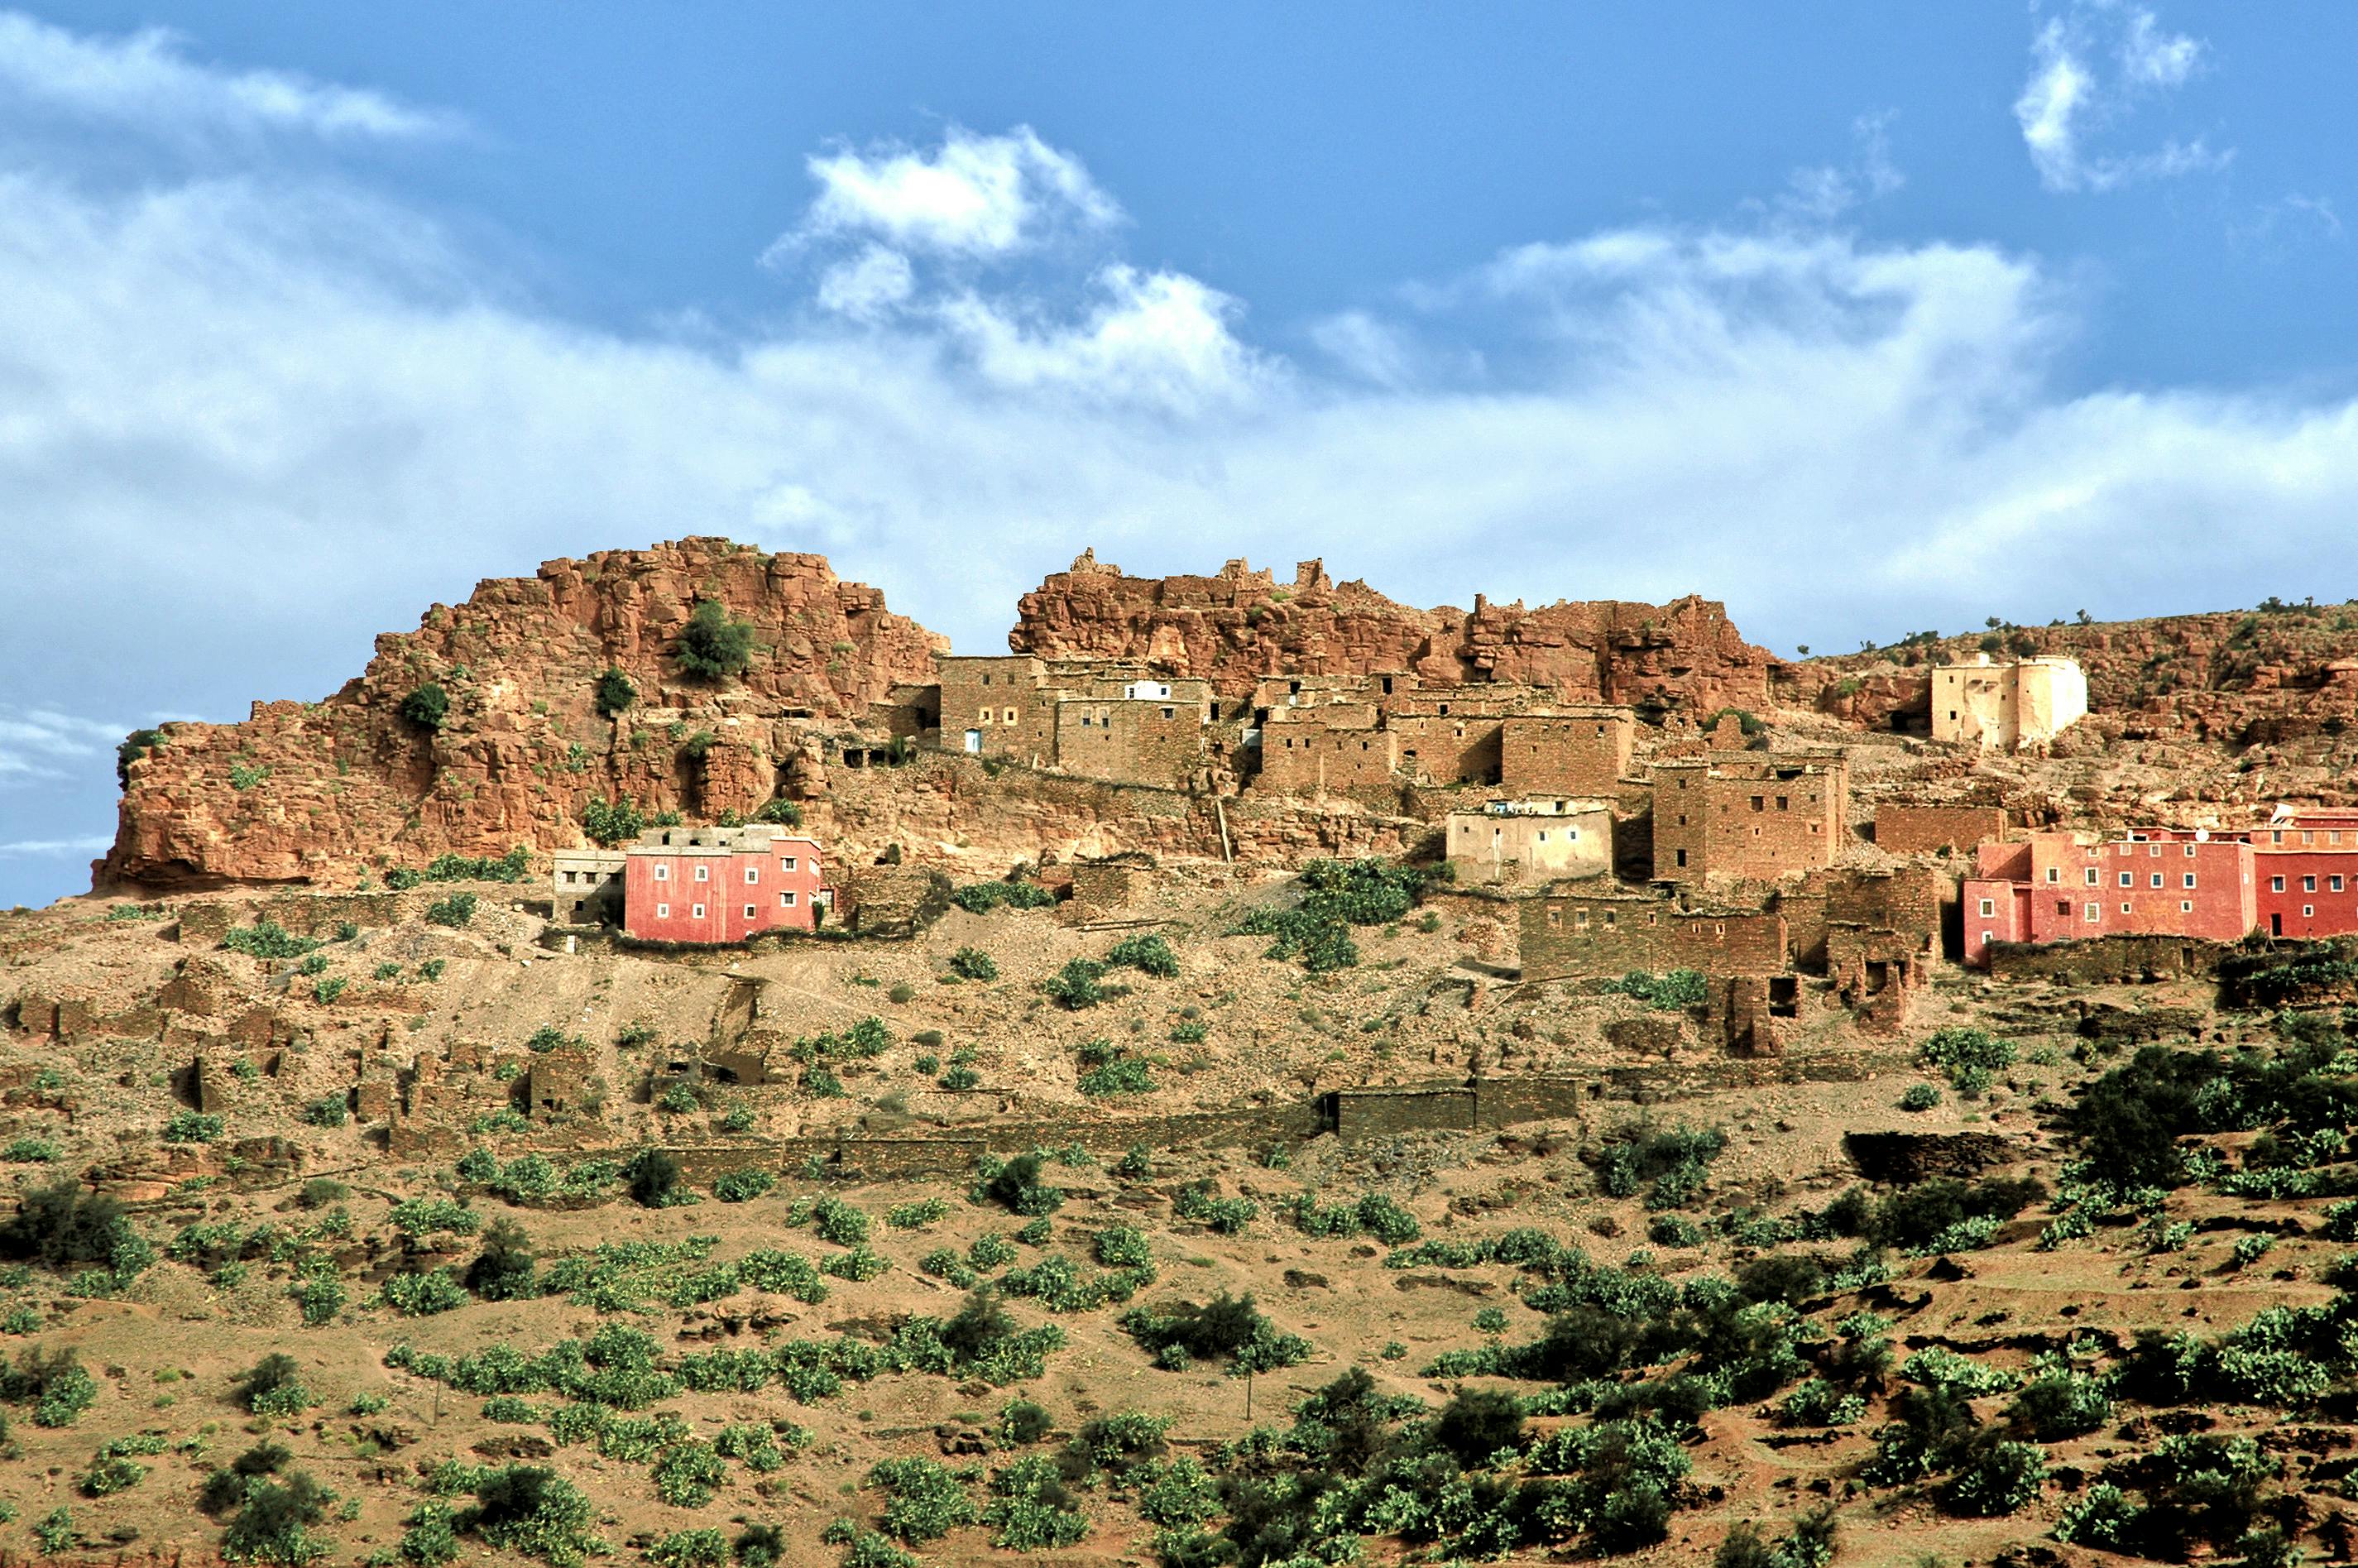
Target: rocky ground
x=269, y=1217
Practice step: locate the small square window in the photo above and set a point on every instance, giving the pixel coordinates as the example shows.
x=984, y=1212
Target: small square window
x=2186, y=880
x=2091, y=876
x=2096, y=912
x=2124, y=906
x=752, y=873
x=2334, y=883
x=1989, y=907
x=2308, y=910
x=704, y=873
x=2309, y=884
x=2276, y=884
x=751, y=912
x=663, y=873
x=2185, y=906
x=2054, y=873
x=695, y=913
x=786, y=901
x=2156, y=879
x=786, y=862
x=2128, y=879
x=662, y=912
x=2189, y=851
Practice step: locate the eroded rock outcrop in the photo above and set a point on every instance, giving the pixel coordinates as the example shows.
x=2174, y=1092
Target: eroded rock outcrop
x=308, y=791
x=1241, y=626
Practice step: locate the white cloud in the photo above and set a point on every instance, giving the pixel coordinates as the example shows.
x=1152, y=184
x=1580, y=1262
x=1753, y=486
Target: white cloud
x=146, y=80
x=1157, y=339
x=41, y=743
x=973, y=196
x=869, y=285
x=2153, y=58
x=1827, y=192
x=2064, y=100
x=92, y=845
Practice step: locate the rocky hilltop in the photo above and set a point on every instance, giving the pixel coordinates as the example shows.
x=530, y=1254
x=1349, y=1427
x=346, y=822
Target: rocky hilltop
x=2272, y=690
x=1235, y=628
x=303, y=789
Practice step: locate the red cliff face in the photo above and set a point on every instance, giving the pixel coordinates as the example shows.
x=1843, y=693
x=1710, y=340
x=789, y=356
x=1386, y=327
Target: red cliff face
x=322, y=790
x=1237, y=627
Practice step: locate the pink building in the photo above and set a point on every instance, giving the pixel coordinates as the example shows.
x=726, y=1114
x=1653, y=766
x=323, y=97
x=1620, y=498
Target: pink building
x=721, y=885
x=2305, y=865
x=2055, y=887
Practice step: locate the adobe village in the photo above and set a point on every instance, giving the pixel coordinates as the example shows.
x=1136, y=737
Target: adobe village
x=673, y=1064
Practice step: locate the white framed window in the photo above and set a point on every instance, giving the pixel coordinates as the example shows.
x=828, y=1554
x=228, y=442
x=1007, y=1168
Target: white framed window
x=786, y=862
x=662, y=912
x=697, y=913
x=2156, y=879
x=2096, y=912
x=2128, y=879
x=1989, y=907
x=751, y=912
x=2276, y=884
x=663, y=873
x=752, y=873
x=2189, y=851
x=2334, y=883
x=2054, y=873
x=2187, y=880
x=1010, y=717
x=704, y=873
x=2309, y=884
x=2308, y=910
x=2091, y=876
x=2185, y=906
x=2155, y=852
x=2124, y=906
x=786, y=901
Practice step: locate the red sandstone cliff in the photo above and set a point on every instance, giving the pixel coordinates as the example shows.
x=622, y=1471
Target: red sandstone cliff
x=312, y=791
x=1237, y=627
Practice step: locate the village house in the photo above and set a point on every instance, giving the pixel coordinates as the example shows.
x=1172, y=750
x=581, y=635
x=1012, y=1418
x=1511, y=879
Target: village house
x=2305, y=871
x=1747, y=815
x=586, y=887
x=2054, y=887
x=2009, y=707
x=722, y=884
x=1530, y=840
x=1098, y=719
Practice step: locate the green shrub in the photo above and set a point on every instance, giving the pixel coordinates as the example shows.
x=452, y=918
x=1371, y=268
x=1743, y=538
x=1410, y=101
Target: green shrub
x=54, y=1382
x=30, y=1151
x=329, y=1111
x=422, y=1295
x=781, y=813
x=916, y=1215
x=615, y=692
x=1017, y=1186
x=193, y=1126
x=973, y=964
x=924, y=1500
x=690, y=1548
x=274, y=1386
x=1077, y=985
x=1120, y=1074
x=1920, y=1097
x=455, y=911
x=427, y=706
x=266, y=939
x=1674, y=1161
x=714, y=645
x=742, y=1185
x=612, y=823
x=981, y=898
x=1148, y=954
x=1674, y=992
x=1202, y=1202
x=534, y=1511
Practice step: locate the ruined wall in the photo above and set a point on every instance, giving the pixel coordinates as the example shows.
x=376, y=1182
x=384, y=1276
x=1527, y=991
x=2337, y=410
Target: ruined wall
x=1241, y=625
x=1902, y=829
x=307, y=792
x=2104, y=959
x=942, y=801
x=1575, y=936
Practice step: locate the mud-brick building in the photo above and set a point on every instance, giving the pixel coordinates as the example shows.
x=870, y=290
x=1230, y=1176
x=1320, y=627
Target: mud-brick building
x=1579, y=751
x=1332, y=748
x=1095, y=720
x=722, y=884
x=1530, y=840
x=1745, y=815
x=998, y=708
x=2055, y=887
x=1573, y=932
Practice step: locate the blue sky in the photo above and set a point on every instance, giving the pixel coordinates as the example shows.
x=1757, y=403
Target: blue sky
x=1862, y=319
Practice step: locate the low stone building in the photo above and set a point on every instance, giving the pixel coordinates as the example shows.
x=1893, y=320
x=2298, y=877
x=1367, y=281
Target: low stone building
x=1530, y=840
x=1905, y=830
x=586, y=887
x=1574, y=931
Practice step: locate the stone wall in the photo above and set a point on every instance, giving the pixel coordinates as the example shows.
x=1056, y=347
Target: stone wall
x=2104, y=959
x=1737, y=815
x=1132, y=741
x=1573, y=936
x=1901, y=830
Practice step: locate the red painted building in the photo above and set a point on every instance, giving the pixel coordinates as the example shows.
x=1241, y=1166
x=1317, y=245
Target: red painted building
x=2055, y=887
x=721, y=885
x=2304, y=866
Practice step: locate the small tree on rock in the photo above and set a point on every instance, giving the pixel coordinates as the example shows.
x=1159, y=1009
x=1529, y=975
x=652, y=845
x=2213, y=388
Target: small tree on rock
x=427, y=706
x=715, y=645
